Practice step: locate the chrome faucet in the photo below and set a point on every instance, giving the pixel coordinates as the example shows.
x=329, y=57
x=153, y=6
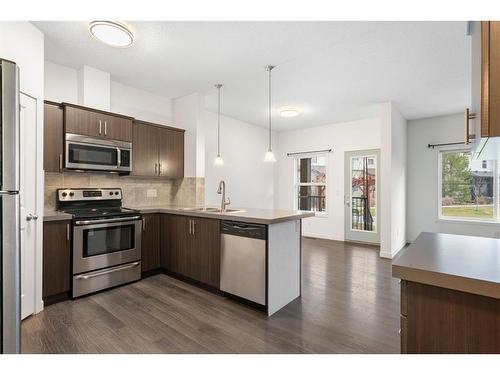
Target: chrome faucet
x=222, y=190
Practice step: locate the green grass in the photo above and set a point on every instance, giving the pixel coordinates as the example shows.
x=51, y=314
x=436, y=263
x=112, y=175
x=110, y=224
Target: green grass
x=471, y=211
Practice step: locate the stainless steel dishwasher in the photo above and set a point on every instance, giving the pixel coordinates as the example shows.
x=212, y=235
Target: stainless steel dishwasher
x=243, y=260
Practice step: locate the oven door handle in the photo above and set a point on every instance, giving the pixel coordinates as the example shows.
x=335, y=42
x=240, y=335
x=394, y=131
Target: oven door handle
x=105, y=272
x=115, y=220
x=119, y=157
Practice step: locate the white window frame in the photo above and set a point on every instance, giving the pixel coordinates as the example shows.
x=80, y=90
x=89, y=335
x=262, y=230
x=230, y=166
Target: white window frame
x=296, y=184
x=496, y=191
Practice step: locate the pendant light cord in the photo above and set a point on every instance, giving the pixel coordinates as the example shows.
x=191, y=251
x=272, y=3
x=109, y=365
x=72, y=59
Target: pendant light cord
x=218, y=86
x=269, y=68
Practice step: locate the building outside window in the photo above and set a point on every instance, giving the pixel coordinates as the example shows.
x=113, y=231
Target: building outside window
x=311, y=183
x=468, y=188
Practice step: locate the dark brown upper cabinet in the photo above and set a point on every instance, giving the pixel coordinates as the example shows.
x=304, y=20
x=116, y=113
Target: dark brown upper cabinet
x=158, y=151
x=53, y=137
x=482, y=121
x=95, y=123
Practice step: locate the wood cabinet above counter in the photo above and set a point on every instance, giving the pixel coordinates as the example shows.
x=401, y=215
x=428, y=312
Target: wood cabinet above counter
x=96, y=123
x=157, y=150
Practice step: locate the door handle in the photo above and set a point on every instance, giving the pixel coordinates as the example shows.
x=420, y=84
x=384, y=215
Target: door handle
x=30, y=217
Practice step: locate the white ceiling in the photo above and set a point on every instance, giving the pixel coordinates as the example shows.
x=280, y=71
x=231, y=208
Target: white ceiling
x=336, y=71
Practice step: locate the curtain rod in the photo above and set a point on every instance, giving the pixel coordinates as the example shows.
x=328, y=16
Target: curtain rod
x=308, y=152
x=445, y=144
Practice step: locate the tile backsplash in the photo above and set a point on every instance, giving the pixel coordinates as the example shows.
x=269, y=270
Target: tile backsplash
x=189, y=191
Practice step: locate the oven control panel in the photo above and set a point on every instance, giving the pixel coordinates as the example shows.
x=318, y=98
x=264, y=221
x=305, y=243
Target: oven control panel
x=67, y=195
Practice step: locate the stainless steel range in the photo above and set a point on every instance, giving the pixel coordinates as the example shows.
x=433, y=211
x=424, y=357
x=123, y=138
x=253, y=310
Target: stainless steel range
x=106, y=239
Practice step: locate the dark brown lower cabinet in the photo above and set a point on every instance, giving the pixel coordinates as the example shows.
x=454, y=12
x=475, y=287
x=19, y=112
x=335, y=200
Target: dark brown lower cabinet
x=150, y=242
x=441, y=320
x=190, y=246
x=56, y=258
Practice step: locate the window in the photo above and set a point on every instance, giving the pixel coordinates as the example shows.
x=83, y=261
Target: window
x=311, y=183
x=468, y=187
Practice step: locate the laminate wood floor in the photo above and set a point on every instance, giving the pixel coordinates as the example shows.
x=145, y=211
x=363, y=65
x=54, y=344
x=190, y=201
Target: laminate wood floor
x=349, y=304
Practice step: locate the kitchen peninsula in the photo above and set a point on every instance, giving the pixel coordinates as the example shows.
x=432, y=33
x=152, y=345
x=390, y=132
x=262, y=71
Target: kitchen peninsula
x=251, y=254
x=450, y=294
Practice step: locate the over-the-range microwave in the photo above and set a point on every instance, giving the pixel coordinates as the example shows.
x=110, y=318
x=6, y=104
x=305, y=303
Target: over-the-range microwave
x=93, y=154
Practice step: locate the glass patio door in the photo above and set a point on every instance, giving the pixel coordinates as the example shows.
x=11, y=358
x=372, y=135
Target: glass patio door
x=361, y=196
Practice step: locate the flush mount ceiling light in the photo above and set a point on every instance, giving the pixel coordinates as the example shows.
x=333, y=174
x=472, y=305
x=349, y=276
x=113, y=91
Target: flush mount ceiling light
x=269, y=157
x=290, y=111
x=111, y=33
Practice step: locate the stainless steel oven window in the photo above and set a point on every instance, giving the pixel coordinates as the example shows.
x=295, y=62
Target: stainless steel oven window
x=97, y=241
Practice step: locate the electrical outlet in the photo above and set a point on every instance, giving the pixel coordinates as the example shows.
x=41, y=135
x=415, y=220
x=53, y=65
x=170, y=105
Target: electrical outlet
x=151, y=193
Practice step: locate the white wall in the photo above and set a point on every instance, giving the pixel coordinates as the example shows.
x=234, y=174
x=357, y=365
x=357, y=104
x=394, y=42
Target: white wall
x=140, y=104
x=186, y=111
x=23, y=43
x=94, y=88
x=393, y=178
x=250, y=182
x=422, y=199
x=62, y=85
x=341, y=137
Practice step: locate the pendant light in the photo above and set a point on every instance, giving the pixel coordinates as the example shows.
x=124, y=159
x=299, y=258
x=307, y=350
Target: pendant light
x=218, y=159
x=269, y=157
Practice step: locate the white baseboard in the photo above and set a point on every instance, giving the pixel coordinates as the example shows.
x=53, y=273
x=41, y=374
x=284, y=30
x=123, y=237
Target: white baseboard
x=389, y=255
x=322, y=236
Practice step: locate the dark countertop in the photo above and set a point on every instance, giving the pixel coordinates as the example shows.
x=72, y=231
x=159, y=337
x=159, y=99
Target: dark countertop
x=256, y=216
x=465, y=263
x=54, y=215
x=247, y=215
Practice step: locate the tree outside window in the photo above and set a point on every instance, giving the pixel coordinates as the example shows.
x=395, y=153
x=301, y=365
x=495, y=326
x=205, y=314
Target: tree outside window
x=467, y=186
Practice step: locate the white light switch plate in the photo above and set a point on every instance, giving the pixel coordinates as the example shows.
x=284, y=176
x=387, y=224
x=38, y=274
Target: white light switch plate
x=151, y=193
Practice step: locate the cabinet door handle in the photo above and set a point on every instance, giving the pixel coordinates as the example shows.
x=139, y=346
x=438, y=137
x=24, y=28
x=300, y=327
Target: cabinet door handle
x=105, y=127
x=156, y=168
x=159, y=169
x=143, y=224
x=194, y=227
x=67, y=232
x=60, y=162
x=468, y=116
x=100, y=127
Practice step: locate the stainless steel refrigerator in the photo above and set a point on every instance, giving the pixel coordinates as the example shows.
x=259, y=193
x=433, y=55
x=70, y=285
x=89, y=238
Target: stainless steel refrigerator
x=10, y=249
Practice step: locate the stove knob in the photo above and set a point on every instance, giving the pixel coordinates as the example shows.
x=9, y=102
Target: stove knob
x=110, y=193
x=64, y=194
x=71, y=194
x=116, y=193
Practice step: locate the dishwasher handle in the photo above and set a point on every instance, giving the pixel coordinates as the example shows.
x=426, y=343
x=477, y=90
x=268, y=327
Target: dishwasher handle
x=236, y=228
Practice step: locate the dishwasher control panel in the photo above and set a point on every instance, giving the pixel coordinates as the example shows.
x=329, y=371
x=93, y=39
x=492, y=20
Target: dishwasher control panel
x=237, y=228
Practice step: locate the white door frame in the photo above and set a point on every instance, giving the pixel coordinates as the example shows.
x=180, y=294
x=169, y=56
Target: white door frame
x=349, y=233
x=39, y=188
x=28, y=200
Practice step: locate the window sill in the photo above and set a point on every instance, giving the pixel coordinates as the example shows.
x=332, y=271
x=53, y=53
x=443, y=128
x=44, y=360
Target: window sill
x=465, y=221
